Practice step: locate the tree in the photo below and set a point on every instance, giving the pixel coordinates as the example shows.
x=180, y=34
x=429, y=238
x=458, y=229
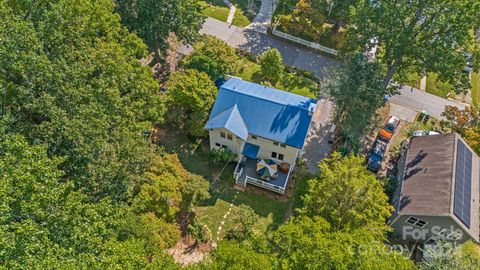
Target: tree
x=195, y=190
x=232, y=255
x=347, y=195
x=271, y=64
x=212, y=56
x=40, y=214
x=465, y=122
x=305, y=21
x=357, y=91
x=191, y=95
x=153, y=21
x=423, y=36
x=244, y=219
x=80, y=89
x=444, y=257
x=309, y=243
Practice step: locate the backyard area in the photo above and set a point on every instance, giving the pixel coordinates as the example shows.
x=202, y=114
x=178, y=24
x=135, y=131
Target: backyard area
x=244, y=14
x=271, y=210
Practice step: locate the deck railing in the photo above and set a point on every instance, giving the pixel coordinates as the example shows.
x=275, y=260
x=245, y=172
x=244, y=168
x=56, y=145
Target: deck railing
x=265, y=185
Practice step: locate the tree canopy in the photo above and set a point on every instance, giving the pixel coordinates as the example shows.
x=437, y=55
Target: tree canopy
x=358, y=92
x=347, y=195
x=191, y=95
x=271, y=65
x=154, y=20
x=417, y=36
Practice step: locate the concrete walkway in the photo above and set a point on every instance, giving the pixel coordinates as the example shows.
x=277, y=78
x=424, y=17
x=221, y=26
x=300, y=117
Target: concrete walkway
x=231, y=14
x=264, y=17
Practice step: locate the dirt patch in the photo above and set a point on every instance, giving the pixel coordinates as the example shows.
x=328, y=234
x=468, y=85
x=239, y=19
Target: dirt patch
x=185, y=252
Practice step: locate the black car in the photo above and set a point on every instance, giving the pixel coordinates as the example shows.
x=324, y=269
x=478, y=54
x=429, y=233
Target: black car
x=374, y=162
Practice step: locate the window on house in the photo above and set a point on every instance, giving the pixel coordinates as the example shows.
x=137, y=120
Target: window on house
x=275, y=143
x=254, y=137
x=274, y=154
x=223, y=134
x=229, y=136
x=280, y=156
x=218, y=145
x=431, y=241
x=283, y=145
x=416, y=222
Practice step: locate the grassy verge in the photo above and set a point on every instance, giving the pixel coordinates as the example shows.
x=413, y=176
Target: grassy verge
x=215, y=9
x=437, y=87
x=292, y=81
x=476, y=89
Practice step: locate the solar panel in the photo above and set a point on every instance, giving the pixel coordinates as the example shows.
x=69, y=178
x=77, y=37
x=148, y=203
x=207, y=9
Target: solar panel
x=463, y=184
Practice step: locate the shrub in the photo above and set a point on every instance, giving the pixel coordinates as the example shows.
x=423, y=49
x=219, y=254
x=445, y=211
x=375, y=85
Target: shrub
x=222, y=155
x=200, y=232
x=271, y=64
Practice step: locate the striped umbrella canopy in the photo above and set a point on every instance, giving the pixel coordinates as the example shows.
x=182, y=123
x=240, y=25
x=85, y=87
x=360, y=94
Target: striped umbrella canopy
x=267, y=168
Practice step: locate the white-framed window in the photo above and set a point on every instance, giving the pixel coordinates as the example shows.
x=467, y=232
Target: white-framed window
x=220, y=145
x=275, y=143
x=416, y=222
x=283, y=145
x=229, y=136
x=223, y=134
x=254, y=137
x=274, y=154
x=280, y=156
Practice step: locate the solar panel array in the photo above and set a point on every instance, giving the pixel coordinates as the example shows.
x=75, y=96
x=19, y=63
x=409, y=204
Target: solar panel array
x=463, y=184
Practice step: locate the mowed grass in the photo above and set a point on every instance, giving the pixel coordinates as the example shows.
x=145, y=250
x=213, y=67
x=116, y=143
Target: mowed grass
x=437, y=87
x=215, y=9
x=195, y=157
x=291, y=81
x=476, y=89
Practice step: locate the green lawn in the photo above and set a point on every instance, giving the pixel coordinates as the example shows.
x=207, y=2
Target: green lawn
x=476, y=89
x=215, y=9
x=436, y=87
x=243, y=16
x=195, y=158
x=292, y=81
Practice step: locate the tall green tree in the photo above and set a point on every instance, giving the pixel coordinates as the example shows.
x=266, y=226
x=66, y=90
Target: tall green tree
x=358, y=92
x=420, y=36
x=153, y=20
x=347, y=195
x=80, y=89
x=212, y=56
x=191, y=95
x=271, y=64
x=233, y=255
x=309, y=243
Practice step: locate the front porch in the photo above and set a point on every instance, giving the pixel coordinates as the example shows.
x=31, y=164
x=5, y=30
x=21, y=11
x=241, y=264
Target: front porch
x=245, y=173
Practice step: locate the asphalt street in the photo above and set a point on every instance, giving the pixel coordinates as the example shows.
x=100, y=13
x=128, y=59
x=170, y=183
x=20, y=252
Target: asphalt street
x=312, y=61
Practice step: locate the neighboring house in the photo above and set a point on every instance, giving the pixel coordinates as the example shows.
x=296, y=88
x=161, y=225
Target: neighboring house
x=438, y=193
x=259, y=122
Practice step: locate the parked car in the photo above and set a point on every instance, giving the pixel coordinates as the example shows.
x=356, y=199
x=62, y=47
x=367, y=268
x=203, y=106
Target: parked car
x=390, y=127
x=375, y=159
x=421, y=133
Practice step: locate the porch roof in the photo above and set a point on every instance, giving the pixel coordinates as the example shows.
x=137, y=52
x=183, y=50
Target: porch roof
x=250, y=150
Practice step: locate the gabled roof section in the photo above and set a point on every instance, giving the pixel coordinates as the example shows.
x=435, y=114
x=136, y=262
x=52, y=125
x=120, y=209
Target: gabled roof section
x=231, y=120
x=267, y=112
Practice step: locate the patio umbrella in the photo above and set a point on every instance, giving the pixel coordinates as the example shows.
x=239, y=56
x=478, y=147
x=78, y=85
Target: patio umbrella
x=267, y=168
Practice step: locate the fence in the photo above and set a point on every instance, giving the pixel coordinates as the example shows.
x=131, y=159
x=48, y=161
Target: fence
x=309, y=44
x=265, y=185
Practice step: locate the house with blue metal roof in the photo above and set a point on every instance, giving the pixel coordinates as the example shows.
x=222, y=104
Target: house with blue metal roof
x=437, y=197
x=265, y=127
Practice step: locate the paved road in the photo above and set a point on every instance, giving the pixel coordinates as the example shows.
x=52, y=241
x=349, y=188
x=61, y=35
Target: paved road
x=419, y=100
x=309, y=60
x=256, y=43
x=263, y=18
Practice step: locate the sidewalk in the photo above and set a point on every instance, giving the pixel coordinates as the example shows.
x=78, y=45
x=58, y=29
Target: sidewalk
x=264, y=17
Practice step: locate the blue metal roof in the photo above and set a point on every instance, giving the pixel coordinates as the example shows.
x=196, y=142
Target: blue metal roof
x=250, y=150
x=231, y=120
x=266, y=112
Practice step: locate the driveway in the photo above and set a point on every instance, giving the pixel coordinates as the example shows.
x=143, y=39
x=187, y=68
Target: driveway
x=316, y=145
